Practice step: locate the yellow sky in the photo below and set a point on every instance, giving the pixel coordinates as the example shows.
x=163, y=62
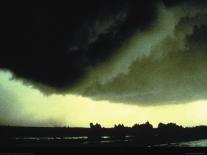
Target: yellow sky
x=35, y=109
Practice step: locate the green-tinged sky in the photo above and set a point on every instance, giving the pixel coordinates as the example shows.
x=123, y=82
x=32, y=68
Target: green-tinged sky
x=126, y=63
x=26, y=106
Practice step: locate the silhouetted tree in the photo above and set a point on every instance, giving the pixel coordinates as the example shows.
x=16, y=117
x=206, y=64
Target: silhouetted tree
x=96, y=126
x=95, y=134
x=145, y=126
x=119, y=126
x=169, y=126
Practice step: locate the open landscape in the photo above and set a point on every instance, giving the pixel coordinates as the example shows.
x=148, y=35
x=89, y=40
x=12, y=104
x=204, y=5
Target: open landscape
x=90, y=74
x=140, y=135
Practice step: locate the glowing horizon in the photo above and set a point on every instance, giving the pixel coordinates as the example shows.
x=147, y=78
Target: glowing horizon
x=32, y=108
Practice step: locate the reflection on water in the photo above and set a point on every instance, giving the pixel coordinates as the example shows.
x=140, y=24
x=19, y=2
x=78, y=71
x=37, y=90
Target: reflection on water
x=52, y=138
x=105, y=137
x=75, y=138
x=108, y=139
x=196, y=143
x=84, y=139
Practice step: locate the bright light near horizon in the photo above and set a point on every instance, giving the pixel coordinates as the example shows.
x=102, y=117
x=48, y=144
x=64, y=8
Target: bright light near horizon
x=32, y=108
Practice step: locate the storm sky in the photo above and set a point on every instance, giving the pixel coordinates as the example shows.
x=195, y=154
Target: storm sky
x=108, y=62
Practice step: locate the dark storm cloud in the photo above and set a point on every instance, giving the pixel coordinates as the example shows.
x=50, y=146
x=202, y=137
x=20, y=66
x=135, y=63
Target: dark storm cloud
x=122, y=51
x=164, y=64
x=56, y=46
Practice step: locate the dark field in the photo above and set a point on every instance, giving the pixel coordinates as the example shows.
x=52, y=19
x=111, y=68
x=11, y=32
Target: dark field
x=143, y=135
